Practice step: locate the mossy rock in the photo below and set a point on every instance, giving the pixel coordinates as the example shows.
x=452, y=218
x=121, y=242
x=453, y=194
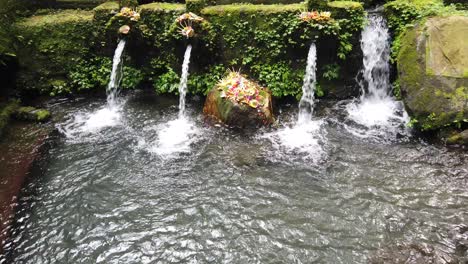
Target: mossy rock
x=458, y=138
x=75, y=4
x=29, y=113
x=228, y=111
x=255, y=2
x=432, y=66
x=220, y=10
x=161, y=7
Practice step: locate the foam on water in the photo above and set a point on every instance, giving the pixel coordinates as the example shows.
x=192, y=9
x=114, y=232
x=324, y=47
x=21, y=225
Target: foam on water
x=304, y=138
x=109, y=115
x=174, y=137
x=376, y=112
x=81, y=124
x=304, y=141
x=379, y=112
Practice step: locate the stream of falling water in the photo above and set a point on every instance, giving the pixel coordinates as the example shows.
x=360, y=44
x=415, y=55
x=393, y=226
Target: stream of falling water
x=113, y=87
x=84, y=122
x=376, y=110
x=177, y=135
x=306, y=105
x=305, y=136
x=183, y=81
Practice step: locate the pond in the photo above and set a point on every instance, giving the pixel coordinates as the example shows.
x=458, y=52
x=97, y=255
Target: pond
x=132, y=187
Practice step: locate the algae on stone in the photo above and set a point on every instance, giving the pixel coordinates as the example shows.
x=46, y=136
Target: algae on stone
x=51, y=44
x=432, y=96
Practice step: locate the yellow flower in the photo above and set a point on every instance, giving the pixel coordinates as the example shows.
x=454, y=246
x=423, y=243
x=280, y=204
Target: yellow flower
x=253, y=103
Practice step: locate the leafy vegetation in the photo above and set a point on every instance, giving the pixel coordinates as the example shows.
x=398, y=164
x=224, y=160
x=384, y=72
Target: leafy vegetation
x=95, y=73
x=403, y=14
x=267, y=42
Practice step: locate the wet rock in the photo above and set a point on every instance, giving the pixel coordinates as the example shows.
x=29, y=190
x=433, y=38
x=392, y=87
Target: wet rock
x=412, y=254
x=460, y=138
x=29, y=113
x=459, y=236
x=433, y=72
x=6, y=110
x=238, y=102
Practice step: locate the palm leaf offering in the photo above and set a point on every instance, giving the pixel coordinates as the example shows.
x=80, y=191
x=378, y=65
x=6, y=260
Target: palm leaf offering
x=237, y=88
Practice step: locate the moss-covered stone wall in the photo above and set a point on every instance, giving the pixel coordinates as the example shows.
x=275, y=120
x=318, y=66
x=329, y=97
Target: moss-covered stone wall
x=50, y=45
x=71, y=50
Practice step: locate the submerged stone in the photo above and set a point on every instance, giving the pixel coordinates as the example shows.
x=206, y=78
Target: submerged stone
x=459, y=138
x=6, y=110
x=433, y=71
x=239, y=102
x=29, y=113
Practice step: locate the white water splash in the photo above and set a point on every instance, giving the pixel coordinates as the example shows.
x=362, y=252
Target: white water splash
x=376, y=110
x=175, y=136
x=183, y=81
x=107, y=116
x=306, y=104
x=305, y=141
x=81, y=125
x=305, y=137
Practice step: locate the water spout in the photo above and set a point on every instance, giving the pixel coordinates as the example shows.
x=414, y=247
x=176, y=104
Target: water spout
x=183, y=81
x=306, y=104
x=113, y=87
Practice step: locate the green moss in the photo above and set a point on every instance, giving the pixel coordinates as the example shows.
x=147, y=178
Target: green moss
x=74, y=4
x=345, y=5
x=110, y=5
x=105, y=11
x=431, y=101
x=195, y=5
x=57, y=18
x=345, y=9
x=29, y=113
x=255, y=2
x=316, y=4
x=6, y=110
x=162, y=6
x=51, y=43
x=42, y=115
x=107, y=7
x=268, y=42
x=250, y=9
x=407, y=57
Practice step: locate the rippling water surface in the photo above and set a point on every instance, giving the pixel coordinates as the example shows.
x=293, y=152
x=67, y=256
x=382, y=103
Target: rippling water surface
x=131, y=193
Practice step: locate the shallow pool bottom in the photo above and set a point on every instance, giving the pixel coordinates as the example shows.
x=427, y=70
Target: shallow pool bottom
x=233, y=197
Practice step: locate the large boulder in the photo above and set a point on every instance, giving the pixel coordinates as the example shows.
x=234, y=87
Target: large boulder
x=433, y=72
x=239, y=102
